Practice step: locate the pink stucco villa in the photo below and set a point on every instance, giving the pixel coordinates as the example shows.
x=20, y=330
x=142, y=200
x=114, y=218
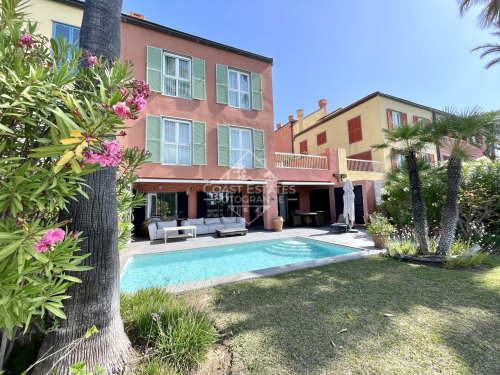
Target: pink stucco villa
x=209, y=127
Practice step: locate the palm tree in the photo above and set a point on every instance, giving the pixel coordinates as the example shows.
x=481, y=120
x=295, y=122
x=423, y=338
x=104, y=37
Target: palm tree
x=407, y=140
x=96, y=301
x=458, y=131
x=491, y=48
x=490, y=15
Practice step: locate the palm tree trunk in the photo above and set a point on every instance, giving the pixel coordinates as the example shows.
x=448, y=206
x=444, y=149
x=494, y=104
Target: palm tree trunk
x=96, y=301
x=450, y=208
x=418, y=204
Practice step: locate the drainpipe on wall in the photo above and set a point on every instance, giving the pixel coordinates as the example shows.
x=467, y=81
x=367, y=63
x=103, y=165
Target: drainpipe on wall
x=291, y=120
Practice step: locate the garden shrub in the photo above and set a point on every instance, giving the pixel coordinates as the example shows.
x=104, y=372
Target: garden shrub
x=396, y=199
x=479, y=199
x=168, y=328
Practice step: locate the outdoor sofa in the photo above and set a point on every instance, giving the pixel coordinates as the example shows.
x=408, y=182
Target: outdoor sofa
x=210, y=225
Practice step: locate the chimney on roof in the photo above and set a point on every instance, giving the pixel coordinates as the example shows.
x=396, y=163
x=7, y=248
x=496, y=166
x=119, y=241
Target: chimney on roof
x=278, y=125
x=322, y=104
x=136, y=15
x=291, y=118
x=300, y=116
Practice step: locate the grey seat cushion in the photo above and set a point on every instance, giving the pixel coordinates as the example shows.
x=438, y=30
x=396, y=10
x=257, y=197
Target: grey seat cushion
x=232, y=225
x=166, y=224
x=212, y=220
x=196, y=221
x=201, y=229
x=213, y=227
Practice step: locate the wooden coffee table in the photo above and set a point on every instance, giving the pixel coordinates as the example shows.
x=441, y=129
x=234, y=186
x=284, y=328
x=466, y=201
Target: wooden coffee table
x=231, y=232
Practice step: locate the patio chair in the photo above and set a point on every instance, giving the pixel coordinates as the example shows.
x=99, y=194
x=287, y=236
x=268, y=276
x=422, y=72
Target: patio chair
x=319, y=219
x=294, y=220
x=340, y=224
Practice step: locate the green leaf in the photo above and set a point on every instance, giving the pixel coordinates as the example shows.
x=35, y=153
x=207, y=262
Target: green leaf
x=55, y=310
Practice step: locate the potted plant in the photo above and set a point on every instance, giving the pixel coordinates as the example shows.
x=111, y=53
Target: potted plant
x=381, y=230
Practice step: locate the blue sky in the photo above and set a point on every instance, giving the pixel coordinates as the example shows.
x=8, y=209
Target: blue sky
x=344, y=50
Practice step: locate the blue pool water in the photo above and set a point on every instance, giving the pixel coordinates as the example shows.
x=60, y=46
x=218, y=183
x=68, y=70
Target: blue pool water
x=177, y=267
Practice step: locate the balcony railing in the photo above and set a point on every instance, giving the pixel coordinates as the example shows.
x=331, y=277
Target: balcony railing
x=299, y=161
x=364, y=166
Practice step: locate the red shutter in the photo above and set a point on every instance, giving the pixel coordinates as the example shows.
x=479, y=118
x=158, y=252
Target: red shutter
x=303, y=146
x=404, y=117
x=415, y=119
x=321, y=138
x=432, y=159
x=419, y=155
x=389, y=119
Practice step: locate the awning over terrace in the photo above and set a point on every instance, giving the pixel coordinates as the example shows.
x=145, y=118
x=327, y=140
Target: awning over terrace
x=305, y=183
x=210, y=182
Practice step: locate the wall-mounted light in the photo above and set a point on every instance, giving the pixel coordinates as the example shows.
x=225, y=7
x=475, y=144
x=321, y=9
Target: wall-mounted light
x=160, y=187
x=192, y=188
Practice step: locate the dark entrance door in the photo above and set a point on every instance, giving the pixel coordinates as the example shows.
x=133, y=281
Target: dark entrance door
x=293, y=202
x=319, y=200
x=359, y=211
x=139, y=215
x=255, y=201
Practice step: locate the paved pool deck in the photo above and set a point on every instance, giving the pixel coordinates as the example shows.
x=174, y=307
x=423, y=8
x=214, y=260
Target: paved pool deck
x=360, y=240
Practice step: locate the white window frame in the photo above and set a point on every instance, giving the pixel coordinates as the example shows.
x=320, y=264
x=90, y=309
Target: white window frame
x=239, y=73
x=176, y=143
x=421, y=119
x=232, y=148
x=399, y=115
x=176, y=77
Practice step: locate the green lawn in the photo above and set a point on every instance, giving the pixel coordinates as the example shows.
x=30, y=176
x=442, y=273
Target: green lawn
x=445, y=321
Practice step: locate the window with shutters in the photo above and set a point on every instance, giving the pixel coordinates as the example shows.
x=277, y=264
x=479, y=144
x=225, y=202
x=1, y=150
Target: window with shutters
x=321, y=138
x=176, y=75
x=284, y=132
x=176, y=142
x=354, y=130
x=71, y=33
x=367, y=155
x=303, y=147
x=239, y=89
x=241, y=148
x=397, y=118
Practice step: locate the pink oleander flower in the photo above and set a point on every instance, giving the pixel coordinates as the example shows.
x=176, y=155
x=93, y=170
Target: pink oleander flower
x=140, y=104
x=54, y=235
x=26, y=40
x=112, y=148
x=121, y=110
x=93, y=60
x=74, y=235
x=41, y=246
x=50, y=238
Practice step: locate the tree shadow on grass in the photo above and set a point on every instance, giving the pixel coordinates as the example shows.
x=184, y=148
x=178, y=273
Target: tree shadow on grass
x=445, y=321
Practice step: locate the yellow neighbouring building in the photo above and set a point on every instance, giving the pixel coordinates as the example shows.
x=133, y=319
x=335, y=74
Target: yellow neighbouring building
x=57, y=17
x=354, y=129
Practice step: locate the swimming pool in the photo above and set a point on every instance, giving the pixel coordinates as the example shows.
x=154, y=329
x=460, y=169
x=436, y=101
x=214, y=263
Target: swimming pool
x=176, y=267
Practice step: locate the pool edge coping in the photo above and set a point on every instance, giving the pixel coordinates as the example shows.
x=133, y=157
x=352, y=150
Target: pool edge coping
x=265, y=272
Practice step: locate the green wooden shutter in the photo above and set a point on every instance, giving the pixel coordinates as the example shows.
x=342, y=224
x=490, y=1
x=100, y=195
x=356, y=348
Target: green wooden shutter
x=258, y=149
x=257, y=92
x=154, y=68
x=222, y=84
x=223, y=145
x=199, y=143
x=153, y=138
x=198, y=79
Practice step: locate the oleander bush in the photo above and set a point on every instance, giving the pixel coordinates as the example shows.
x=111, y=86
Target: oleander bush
x=60, y=111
